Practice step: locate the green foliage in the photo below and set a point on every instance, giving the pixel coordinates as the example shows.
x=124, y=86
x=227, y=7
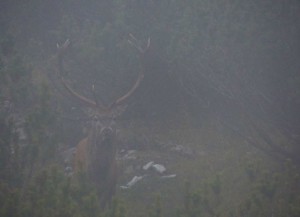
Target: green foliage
x=26, y=139
x=267, y=186
x=271, y=191
x=202, y=202
x=251, y=170
x=157, y=208
x=51, y=193
x=9, y=199
x=14, y=73
x=6, y=140
x=215, y=184
x=117, y=209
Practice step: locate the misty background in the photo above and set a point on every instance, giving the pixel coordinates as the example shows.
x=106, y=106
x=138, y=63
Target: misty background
x=226, y=70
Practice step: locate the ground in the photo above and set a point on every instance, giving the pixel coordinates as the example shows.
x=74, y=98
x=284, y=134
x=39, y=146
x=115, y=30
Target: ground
x=210, y=158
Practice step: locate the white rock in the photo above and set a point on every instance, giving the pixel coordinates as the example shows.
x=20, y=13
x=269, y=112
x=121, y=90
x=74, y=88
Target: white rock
x=148, y=165
x=130, y=155
x=169, y=176
x=132, y=182
x=159, y=168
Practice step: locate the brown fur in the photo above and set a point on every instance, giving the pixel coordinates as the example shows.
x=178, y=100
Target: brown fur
x=95, y=156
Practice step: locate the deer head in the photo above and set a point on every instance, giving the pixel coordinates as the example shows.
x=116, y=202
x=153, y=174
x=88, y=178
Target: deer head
x=96, y=153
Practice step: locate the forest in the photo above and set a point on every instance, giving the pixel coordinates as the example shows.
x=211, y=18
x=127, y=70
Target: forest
x=152, y=108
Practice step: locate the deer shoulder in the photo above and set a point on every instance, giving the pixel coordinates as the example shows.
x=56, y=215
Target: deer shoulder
x=81, y=156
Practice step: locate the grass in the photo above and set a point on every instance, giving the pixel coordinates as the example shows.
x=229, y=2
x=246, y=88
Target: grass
x=219, y=165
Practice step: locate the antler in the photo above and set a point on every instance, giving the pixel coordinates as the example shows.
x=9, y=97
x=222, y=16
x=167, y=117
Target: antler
x=102, y=109
x=61, y=51
x=135, y=43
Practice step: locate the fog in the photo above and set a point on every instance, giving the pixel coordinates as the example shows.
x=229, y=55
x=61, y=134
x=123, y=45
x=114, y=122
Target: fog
x=171, y=107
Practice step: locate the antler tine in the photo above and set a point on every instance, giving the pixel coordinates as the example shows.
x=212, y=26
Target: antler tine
x=137, y=44
x=67, y=43
x=64, y=46
x=148, y=44
x=134, y=38
x=94, y=95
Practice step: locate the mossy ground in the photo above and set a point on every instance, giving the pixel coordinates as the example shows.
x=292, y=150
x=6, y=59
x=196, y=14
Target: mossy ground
x=222, y=165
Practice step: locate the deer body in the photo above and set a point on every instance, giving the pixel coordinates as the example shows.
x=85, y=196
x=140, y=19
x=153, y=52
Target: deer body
x=95, y=156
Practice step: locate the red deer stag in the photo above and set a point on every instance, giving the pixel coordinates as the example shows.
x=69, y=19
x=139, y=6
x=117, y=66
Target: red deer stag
x=96, y=153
